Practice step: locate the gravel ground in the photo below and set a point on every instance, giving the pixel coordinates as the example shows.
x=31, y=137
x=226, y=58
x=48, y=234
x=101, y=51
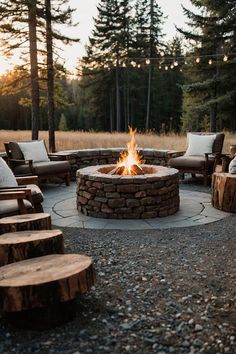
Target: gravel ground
x=163, y=291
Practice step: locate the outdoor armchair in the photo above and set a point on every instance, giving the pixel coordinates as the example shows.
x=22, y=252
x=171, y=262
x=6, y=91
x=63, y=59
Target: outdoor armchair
x=32, y=158
x=18, y=195
x=203, y=153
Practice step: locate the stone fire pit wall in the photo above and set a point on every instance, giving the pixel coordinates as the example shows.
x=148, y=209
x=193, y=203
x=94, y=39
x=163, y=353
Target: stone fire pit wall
x=92, y=157
x=127, y=197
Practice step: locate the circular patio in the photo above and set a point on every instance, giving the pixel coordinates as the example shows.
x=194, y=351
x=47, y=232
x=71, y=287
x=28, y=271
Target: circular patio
x=195, y=209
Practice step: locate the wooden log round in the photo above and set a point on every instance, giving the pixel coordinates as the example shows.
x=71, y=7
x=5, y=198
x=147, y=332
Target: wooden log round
x=223, y=195
x=35, y=221
x=44, y=281
x=21, y=245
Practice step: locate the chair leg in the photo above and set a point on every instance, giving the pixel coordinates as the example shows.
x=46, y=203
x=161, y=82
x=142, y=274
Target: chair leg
x=205, y=180
x=67, y=179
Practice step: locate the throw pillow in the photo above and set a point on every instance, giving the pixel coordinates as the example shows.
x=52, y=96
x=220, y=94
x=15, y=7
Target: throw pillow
x=232, y=166
x=199, y=144
x=7, y=178
x=34, y=150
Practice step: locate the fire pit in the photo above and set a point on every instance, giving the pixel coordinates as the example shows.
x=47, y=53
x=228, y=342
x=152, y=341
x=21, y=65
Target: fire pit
x=129, y=189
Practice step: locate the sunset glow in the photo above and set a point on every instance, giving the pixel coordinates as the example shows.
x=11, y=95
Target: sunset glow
x=4, y=65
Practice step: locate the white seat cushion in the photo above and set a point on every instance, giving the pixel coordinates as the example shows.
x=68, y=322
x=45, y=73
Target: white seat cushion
x=34, y=150
x=232, y=166
x=7, y=178
x=199, y=144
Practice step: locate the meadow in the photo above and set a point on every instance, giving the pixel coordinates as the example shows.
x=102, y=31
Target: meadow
x=86, y=140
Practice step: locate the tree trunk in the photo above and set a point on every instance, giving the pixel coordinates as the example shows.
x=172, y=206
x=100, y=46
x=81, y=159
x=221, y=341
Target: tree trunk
x=50, y=77
x=148, y=98
x=33, y=67
x=147, y=124
x=118, y=117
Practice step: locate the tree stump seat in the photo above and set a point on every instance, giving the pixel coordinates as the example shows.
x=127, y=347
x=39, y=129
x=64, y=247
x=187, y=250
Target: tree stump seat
x=223, y=195
x=21, y=245
x=41, y=292
x=35, y=221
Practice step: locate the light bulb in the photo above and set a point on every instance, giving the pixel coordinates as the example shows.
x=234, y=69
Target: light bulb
x=166, y=67
x=225, y=58
x=210, y=61
x=147, y=61
x=176, y=63
x=197, y=60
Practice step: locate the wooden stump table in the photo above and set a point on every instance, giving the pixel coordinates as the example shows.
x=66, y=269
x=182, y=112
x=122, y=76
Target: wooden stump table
x=35, y=221
x=41, y=292
x=22, y=245
x=223, y=195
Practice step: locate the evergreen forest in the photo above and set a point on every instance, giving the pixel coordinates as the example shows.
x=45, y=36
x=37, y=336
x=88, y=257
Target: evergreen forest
x=130, y=74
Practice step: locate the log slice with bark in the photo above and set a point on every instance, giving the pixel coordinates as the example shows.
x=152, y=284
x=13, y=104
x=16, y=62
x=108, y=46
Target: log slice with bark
x=36, y=221
x=223, y=195
x=22, y=245
x=41, y=292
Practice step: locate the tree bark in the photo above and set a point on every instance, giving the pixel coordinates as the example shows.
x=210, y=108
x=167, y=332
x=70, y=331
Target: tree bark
x=118, y=116
x=50, y=77
x=32, y=23
x=22, y=245
x=37, y=221
x=223, y=194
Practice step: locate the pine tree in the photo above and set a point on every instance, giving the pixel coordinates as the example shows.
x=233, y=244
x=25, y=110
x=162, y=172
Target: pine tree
x=13, y=16
x=211, y=79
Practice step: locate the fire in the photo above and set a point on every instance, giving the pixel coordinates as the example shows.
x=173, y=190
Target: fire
x=129, y=161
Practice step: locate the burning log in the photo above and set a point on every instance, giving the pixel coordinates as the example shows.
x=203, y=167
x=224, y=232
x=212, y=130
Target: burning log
x=121, y=170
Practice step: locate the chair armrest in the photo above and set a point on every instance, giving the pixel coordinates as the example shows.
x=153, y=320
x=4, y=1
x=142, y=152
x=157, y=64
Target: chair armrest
x=19, y=195
x=173, y=154
x=58, y=157
x=17, y=191
x=27, y=180
x=9, y=194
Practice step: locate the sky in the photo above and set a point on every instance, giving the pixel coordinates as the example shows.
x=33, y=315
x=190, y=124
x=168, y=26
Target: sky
x=85, y=12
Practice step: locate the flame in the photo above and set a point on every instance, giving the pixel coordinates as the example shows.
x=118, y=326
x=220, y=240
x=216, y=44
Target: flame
x=128, y=159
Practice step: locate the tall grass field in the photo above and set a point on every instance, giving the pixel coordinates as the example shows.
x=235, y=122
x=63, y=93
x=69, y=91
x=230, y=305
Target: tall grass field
x=88, y=140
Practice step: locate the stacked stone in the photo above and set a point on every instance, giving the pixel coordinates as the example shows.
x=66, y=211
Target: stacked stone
x=127, y=197
x=92, y=157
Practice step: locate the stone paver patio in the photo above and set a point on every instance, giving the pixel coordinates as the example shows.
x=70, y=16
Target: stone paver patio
x=195, y=209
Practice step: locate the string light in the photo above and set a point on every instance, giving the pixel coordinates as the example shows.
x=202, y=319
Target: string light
x=225, y=58
x=148, y=61
x=172, y=66
x=198, y=60
x=176, y=63
x=160, y=67
x=210, y=61
x=166, y=67
x=139, y=65
x=124, y=65
x=133, y=63
x=162, y=54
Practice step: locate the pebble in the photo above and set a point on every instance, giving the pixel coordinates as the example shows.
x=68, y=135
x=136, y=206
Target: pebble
x=131, y=308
